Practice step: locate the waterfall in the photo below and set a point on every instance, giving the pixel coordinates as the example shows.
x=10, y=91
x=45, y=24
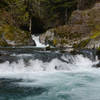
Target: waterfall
x=38, y=44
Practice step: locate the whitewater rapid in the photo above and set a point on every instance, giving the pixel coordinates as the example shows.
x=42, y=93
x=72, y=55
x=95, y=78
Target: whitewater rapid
x=28, y=73
x=78, y=63
x=67, y=78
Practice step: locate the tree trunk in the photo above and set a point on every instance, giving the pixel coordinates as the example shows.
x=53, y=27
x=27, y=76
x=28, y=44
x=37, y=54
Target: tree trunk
x=30, y=26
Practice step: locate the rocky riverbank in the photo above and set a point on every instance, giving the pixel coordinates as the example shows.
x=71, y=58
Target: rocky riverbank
x=82, y=30
x=73, y=23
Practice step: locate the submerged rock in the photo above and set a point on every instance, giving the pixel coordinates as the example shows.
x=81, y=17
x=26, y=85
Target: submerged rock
x=97, y=65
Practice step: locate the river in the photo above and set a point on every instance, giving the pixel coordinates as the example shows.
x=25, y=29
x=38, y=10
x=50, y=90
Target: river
x=28, y=73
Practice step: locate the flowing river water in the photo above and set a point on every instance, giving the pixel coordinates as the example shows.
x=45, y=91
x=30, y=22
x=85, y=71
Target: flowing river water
x=28, y=73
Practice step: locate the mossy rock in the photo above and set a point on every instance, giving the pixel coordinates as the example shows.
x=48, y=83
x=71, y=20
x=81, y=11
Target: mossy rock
x=82, y=44
x=12, y=36
x=91, y=19
x=82, y=31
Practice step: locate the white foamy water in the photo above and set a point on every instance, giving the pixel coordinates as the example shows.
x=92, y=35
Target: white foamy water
x=79, y=64
x=38, y=44
x=54, y=80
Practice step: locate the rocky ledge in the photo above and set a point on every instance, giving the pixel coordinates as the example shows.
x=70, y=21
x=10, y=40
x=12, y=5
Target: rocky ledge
x=82, y=30
x=12, y=36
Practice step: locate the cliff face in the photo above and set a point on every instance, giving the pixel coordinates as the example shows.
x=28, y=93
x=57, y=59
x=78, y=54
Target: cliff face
x=82, y=30
x=91, y=18
x=53, y=13
x=43, y=14
x=37, y=16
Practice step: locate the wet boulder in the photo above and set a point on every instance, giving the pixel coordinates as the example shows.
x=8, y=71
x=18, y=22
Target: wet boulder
x=96, y=65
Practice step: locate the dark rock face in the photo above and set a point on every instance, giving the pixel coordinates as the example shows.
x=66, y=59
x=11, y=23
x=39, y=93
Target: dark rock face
x=54, y=13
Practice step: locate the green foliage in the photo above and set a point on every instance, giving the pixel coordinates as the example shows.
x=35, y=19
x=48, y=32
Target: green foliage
x=95, y=32
x=14, y=35
x=95, y=35
x=82, y=44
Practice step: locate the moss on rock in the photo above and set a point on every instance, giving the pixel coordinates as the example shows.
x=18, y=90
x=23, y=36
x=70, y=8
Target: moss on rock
x=12, y=36
x=83, y=30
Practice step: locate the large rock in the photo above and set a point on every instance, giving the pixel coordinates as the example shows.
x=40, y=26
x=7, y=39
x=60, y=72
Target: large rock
x=12, y=36
x=82, y=31
x=10, y=33
x=64, y=36
x=91, y=19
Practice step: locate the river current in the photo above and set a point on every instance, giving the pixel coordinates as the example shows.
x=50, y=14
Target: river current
x=30, y=74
